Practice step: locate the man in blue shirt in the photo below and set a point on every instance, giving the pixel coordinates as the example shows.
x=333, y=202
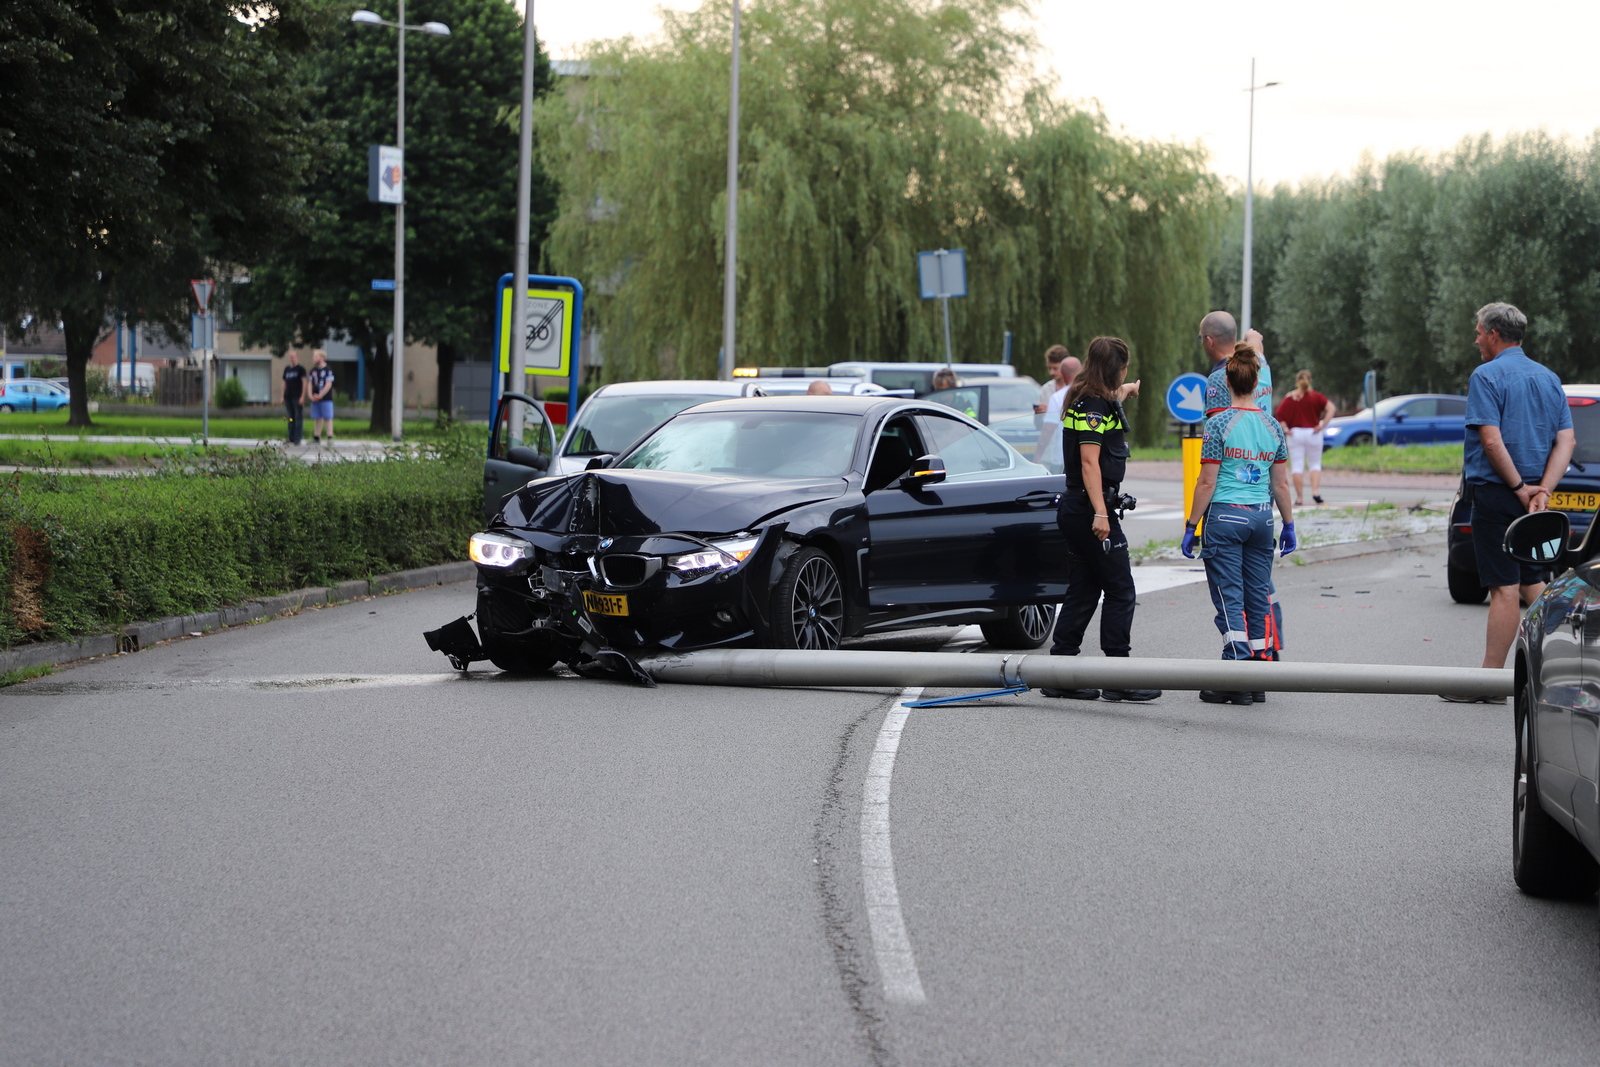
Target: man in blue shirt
x=1519, y=440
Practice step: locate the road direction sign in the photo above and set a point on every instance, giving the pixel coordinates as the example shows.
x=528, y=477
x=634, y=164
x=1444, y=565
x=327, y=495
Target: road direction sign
x=942, y=273
x=202, y=292
x=201, y=334
x=385, y=285
x=1186, y=397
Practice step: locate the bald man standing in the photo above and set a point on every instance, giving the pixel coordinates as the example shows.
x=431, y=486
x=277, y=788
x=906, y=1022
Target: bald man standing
x=1219, y=334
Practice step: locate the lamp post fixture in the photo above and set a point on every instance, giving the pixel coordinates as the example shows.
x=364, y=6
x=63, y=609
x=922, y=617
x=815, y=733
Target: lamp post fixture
x=1250, y=199
x=730, y=252
x=438, y=29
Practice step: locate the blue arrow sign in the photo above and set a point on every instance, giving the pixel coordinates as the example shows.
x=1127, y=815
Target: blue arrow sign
x=1186, y=397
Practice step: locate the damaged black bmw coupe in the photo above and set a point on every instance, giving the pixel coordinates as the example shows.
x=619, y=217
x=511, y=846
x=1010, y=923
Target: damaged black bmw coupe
x=790, y=522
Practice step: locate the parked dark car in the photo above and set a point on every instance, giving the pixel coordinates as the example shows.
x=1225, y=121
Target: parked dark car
x=786, y=522
x=1578, y=496
x=1413, y=419
x=1556, y=777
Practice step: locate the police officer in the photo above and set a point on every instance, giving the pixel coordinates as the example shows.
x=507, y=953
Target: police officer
x=1094, y=447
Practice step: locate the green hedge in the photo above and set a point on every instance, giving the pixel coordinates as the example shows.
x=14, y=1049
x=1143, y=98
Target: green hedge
x=85, y=555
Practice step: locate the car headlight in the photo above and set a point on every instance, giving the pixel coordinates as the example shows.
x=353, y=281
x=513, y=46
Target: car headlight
x=724, y=556
x=497, y=550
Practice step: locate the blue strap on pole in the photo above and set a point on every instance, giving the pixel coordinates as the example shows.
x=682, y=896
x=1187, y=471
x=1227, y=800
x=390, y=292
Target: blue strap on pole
x=1010, y=691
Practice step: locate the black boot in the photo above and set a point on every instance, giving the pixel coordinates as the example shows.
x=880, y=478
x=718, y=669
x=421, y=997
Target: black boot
x=1072, y=694
x=1258, y=698
x=1129, y=694
x=1219, y=696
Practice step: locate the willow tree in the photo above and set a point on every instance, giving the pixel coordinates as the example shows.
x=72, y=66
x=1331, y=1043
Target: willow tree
x=871, y=130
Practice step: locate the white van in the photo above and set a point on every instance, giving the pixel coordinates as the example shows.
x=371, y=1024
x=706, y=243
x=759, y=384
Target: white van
x=918, y=377
x=138, y=378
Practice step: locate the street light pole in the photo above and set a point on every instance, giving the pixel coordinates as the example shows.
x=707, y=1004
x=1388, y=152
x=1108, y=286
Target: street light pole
x=397, y=348
x=730, y=259
x=1250, y=201
x=397, y=386
x=519, y=274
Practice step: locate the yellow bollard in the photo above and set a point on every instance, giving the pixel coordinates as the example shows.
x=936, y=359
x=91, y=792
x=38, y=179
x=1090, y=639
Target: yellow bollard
x=1191, y=474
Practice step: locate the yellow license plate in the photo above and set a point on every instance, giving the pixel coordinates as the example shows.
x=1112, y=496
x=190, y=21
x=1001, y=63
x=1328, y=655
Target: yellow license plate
x=1574, y=501
x=601, y=604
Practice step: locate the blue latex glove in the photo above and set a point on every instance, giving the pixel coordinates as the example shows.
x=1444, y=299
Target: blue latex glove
x=1287, y=541
x=1189, y=540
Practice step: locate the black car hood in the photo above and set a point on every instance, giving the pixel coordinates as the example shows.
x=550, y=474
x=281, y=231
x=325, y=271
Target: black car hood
x=637, y=503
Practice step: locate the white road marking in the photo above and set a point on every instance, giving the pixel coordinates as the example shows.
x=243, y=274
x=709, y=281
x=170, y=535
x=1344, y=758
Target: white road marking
x=1152, y=579
x=897, y=965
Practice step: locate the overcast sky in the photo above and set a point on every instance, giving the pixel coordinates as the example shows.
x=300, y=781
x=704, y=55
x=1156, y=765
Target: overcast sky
x=1358, y=75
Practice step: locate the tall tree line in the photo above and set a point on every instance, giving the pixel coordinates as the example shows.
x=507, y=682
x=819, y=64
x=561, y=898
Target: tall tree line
x=871, y=130
x=1384, y=269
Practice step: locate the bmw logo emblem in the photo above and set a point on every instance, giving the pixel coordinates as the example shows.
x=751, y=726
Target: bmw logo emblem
x=607, y=542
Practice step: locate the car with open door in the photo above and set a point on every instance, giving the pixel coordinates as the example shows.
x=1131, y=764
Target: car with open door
x=785, y=522
x=522, y=442
x=1556, y=775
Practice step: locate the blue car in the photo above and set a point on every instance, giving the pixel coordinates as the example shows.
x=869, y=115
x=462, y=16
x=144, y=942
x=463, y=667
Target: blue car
x=32, y=394
x=1413, y=419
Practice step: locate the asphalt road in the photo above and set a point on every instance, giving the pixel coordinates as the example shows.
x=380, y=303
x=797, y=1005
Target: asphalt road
x=307, y=842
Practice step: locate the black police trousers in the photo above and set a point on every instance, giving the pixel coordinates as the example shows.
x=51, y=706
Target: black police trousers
x=1094, y=572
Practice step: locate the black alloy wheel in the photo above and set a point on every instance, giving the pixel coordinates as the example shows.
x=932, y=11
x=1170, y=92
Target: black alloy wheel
x=1464, y=587
x=519, y=655
x=1026, y=626
x=1546, y=861
x=808, y=605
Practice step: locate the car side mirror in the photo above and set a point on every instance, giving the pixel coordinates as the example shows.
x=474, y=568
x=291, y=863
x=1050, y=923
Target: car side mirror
x=926, y=470
x=1538, y=537
x=600, y=462
x=524, y=456
x=1398, y=416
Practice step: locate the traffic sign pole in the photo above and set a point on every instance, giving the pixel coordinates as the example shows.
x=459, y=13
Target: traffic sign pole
x=202, y=295
x=1186, y=402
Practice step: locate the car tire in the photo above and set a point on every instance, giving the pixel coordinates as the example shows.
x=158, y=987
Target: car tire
x=1359, y=439
x=1546, y=861
x=1464, y=587
x=808, y=604
x=7, y=407
x=1026, y=626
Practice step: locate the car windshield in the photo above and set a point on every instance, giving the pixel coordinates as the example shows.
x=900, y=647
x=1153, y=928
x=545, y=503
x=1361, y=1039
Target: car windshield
x=1386, y=408
x=1586, y=428
x=613, y=423
x=751, y=444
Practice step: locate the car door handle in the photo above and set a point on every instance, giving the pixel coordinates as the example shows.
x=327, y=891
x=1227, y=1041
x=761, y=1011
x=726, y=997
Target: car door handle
x=1039, y=500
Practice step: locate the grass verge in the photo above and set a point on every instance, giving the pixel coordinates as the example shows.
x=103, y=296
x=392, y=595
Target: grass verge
x=25, y=674
x=55, y=424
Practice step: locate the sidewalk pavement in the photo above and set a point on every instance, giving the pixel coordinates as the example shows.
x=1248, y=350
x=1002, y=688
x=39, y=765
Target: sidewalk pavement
x=1172, y=471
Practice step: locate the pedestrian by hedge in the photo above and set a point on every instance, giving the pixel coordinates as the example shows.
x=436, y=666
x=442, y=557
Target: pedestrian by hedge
x=1304, y=413
x=1519, y=441
x=1243, y=461
x=320, y=382
x=294, y=396
x=1095, y=457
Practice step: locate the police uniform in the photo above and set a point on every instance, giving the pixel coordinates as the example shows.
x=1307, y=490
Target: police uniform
x=1094, y=569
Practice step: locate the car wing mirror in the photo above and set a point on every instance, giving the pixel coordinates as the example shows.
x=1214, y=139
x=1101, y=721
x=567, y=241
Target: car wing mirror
x=1398, y=416
x=600, y=462
x=925, y=470
x=524, y=456
x=1538, y=537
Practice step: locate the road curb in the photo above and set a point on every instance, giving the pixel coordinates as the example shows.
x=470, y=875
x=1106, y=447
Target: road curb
x=1341, y=550
x=137, y=635
x=1352, y=549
